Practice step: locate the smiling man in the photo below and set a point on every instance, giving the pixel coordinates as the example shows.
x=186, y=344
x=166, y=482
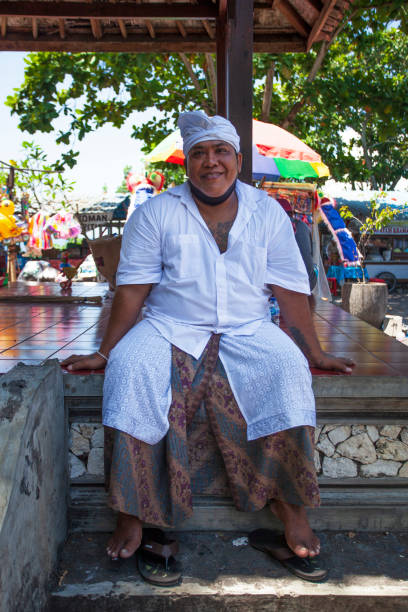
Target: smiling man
x=203, y=258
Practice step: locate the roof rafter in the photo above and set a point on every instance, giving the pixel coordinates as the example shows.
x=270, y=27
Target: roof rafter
x=293, y=17
x=96, y=28
x=320, y=22
x=3, y=26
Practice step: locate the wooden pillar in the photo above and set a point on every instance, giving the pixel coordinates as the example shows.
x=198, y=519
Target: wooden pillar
x=240, y=51
x=222, y=37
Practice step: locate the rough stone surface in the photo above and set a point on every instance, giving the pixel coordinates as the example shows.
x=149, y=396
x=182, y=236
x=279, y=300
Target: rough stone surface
x=325, y=445
x=318, y=465
x=76, y=466
x=373, y=433
x=380, y=468
x=87, y=430
x=390, y=431
x=33, y=484
x=317, y=433
x=367, y=301
x=404, y=470
x=339, y=434
x=367, y=574
x=328, y=428
x=360, y=448
x=79, y=445
x=357, y=429
x=392, y=449
x=339, y=468
x=95, y=461
x=97, y=438
x=404, y=435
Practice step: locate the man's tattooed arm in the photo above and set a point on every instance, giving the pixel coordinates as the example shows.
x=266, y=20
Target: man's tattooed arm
x=300, y=340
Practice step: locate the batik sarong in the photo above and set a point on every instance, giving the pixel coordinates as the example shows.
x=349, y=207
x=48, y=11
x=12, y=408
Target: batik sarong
x=206, y=452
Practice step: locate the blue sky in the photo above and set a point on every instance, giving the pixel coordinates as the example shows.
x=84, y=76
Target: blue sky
x=103, y=154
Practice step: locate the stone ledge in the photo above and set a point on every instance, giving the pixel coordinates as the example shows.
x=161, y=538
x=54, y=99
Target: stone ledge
x=344, y=508
x=331, y=386
x=367, y=572
x=33, y=483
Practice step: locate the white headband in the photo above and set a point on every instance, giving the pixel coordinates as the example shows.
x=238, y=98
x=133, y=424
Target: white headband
x=197, y=127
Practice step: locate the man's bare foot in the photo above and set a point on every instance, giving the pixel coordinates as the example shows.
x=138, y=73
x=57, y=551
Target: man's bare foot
x=299, y=535
x=126, y=537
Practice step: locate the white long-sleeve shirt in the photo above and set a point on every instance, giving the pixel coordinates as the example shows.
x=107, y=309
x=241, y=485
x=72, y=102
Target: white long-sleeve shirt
x=197, y=290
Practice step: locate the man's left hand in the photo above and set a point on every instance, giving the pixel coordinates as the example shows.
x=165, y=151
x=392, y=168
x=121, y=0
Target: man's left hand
x=327, y=361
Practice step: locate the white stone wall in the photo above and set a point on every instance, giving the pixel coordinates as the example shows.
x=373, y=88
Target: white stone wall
x=342, y=451
x=365, y=451
x=86, y=449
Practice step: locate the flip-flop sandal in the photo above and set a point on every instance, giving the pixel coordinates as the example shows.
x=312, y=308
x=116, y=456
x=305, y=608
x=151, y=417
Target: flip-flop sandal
x=155, y=559
x=275, y=545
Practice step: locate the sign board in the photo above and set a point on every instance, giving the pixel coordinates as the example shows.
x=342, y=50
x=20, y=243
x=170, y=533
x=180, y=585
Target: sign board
x=93, y=219
x=394, y=230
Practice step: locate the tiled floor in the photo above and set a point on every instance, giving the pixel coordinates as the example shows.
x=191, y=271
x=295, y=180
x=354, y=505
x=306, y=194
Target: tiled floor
x=32, y=333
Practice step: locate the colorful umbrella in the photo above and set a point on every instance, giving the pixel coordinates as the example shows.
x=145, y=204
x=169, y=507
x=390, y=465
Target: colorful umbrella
x=277, y=153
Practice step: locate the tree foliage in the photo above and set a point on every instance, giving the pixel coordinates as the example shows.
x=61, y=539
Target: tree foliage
x=37, y=180
x=354, y=86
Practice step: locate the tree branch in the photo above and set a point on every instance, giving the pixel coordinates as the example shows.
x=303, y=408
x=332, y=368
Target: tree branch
x=194, y=78
x=212, y=77
x=325, y=46
x=268, y=91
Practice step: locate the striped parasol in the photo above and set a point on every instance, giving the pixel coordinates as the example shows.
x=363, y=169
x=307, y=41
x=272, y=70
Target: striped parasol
x=276, y=154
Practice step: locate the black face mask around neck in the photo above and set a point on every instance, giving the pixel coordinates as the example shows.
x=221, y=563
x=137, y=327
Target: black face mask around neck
x=205, y=199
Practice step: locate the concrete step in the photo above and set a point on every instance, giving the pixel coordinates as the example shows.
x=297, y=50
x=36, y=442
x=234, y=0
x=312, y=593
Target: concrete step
x=368, y=571
x=356, y=508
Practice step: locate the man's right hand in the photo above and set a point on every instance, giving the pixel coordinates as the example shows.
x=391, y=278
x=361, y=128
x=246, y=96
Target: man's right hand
x=84, y=362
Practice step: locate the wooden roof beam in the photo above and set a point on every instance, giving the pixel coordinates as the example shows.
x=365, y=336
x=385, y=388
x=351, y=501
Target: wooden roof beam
x=107, y=10
x=316, y=4
x=61, y=28
x=293, y=17
x=150, y=28
x=3, y=26
x=208, y=28
x=122, y=28
x=34, y=25
x=96, y=28
x=320, y=22
x=181, y=29
x=75, y=43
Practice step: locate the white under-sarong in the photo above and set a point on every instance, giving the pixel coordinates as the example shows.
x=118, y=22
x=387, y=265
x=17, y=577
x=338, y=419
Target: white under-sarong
x=267, y=372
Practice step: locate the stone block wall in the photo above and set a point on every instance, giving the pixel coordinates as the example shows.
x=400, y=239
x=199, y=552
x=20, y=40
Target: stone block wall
x=342, y=451
x=365, y=451
x=86, y=450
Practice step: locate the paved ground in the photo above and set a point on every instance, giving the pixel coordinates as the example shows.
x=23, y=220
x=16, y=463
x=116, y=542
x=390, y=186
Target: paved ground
x=397, y=305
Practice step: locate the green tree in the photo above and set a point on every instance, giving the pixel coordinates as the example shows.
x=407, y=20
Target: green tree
x=123, y=186
x=34, y=177
x=354, y=82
